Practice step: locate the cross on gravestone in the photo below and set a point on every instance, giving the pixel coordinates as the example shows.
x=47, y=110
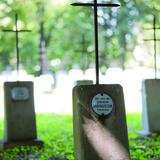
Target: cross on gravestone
x=84, y=52
x=84, y=62
x=95, y=5
x=154, y=28
x=99, y=122
x=19, y=112
x=150, y=94
x=16, y=31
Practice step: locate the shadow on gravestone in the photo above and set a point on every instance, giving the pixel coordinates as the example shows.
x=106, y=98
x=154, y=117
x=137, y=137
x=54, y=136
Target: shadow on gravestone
x=99, y=122
x=19, y=116
x=99, y=132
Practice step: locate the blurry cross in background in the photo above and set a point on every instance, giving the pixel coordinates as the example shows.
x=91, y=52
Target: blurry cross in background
x=155, y=39
x=16, y=31
x=95, y=5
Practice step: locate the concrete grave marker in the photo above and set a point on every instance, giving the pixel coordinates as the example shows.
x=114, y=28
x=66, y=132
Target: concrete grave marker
x=19, y=116
x=99, y=121
x=150, y=94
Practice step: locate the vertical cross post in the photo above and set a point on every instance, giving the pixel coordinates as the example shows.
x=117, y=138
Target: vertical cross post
x=16, y=31
x=155, y=39
x=95, y=5
x=84, y=52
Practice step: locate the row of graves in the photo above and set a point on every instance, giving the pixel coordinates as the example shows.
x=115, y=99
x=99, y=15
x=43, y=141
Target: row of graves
x=99, y=118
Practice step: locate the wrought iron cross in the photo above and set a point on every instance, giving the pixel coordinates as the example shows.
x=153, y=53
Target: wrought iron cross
x=95, y=5
x=16, y=31
x=155, y=39
x=84, y=52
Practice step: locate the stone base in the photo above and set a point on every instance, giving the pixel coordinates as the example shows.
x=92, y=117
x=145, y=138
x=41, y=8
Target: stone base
x=84, y=82
x=4, y=144
x=144, y=133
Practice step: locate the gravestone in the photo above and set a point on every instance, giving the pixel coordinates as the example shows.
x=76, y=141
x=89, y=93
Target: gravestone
x=84, y=82
x=99, y=121
x=150, y=94
x=19, y=116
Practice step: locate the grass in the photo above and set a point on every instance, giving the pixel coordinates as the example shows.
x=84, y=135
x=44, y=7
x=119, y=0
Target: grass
x=142, y=148
x=56, y=132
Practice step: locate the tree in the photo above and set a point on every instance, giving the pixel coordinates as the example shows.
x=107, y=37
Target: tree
x=59, y=29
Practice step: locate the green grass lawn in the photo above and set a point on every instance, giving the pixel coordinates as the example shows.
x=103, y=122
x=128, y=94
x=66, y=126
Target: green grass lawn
x=142, y=148
x=56, y=132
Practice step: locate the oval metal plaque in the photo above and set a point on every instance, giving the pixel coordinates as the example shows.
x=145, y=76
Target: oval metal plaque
x=20, y=93
x=102, y=104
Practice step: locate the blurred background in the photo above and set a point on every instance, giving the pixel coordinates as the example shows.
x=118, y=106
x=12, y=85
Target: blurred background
x=60, y=48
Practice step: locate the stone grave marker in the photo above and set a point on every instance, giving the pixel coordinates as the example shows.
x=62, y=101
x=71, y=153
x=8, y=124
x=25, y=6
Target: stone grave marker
x=150, y=94
x=99, y=120
x=19, y=116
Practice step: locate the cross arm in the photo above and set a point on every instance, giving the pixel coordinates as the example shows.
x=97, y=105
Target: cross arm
x=7, y=30
x=152, y=28
x=24, y=30
x=151, y=39
x=98, y=4
x=10, y=30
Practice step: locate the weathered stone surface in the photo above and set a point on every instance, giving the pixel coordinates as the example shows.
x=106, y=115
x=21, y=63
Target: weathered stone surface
x=99, y=138
x=84, y=82
x=19, y=116
x=151, y=105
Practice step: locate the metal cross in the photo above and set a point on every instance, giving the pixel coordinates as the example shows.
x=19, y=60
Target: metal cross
x=95, y=5
x=84, y=52
x=154, y=28
x=16, y=31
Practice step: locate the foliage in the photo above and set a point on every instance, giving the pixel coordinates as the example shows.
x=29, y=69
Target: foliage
x=142, y=148
x=59, y=33
x=56, y=132
x=64, y=26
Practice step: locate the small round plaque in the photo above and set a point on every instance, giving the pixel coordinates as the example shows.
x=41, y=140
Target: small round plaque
x=20, y=93
x=102, y=104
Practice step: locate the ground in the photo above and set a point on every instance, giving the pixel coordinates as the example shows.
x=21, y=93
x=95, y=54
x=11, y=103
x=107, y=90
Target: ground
x=56, y=132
